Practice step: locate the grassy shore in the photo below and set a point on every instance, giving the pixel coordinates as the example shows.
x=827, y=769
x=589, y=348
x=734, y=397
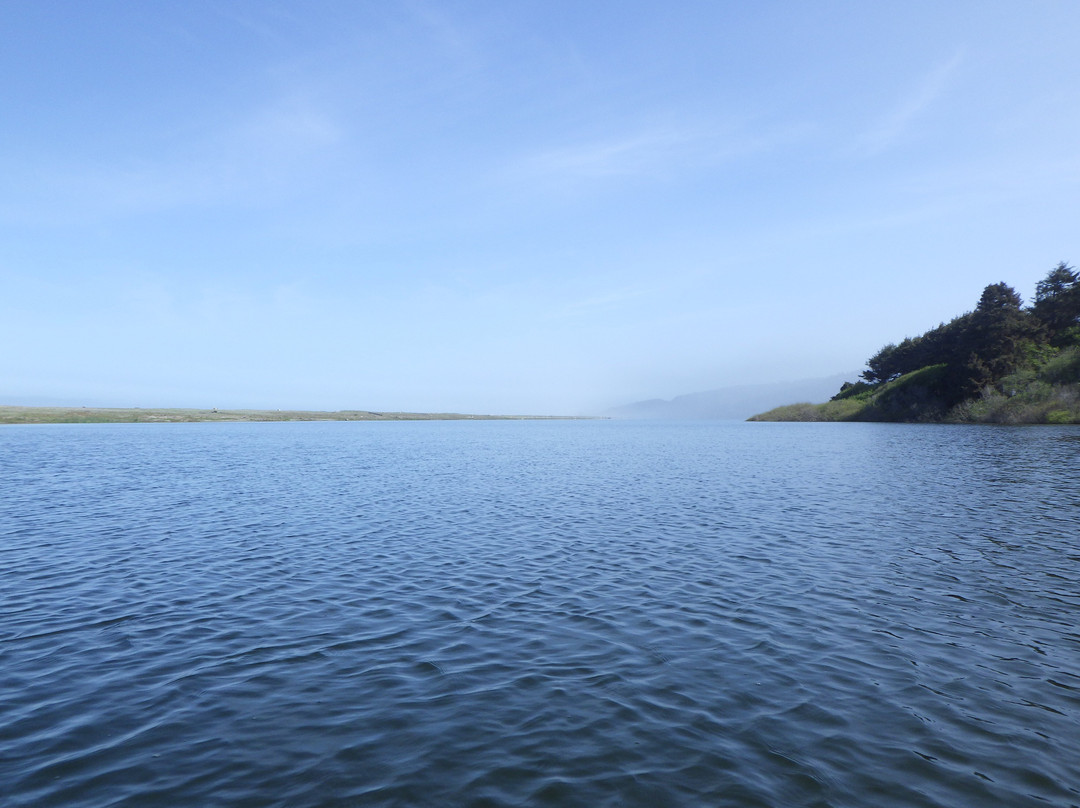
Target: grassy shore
x=116, y=415
x=1049, y=394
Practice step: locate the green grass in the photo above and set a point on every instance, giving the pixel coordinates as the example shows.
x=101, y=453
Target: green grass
x=843, y=410
x=1047, y=393
x=887, y=402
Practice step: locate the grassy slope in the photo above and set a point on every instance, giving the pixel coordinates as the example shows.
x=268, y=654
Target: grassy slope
x=98, y=415
x=1045, y=393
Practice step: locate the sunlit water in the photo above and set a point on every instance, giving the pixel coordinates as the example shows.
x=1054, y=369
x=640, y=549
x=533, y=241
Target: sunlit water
x=539, y=613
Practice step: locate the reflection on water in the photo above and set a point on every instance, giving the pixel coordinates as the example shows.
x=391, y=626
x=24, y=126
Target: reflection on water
x=564, y=613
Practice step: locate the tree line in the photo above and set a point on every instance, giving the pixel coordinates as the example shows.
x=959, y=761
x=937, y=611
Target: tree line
x=981, y=347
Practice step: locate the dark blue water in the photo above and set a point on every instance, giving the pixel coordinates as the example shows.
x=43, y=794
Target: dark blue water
x=539, y=613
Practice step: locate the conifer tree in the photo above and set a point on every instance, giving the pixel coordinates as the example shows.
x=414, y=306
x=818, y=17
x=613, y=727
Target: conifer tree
x=1057, y=303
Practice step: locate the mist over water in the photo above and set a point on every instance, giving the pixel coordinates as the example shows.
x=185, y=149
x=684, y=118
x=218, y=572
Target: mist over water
x=542, y=613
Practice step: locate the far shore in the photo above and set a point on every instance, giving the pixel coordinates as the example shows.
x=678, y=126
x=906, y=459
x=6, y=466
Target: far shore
x=137, y=415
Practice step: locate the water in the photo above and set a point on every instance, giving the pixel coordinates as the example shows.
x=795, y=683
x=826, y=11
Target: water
x=539, y=613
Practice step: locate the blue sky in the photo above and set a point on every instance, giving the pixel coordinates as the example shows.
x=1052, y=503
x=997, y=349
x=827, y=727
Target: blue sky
x=518, y=207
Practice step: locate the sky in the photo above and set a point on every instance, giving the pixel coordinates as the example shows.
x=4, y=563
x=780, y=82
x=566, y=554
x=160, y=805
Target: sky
x=513, y=207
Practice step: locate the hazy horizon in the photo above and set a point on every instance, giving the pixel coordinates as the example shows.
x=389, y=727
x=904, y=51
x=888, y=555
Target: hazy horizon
x=735, y=401
x=545, y=208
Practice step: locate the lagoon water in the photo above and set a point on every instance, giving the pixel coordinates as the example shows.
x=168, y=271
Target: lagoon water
x=539, y=613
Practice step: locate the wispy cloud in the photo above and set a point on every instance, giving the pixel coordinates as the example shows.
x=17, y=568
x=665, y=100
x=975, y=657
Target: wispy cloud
x=641, y=153
x=269, y=24
x=444, y=30
x=286, y=127
x=894, y=124
x=657, y=152
x=264, y=151
x=590, y=305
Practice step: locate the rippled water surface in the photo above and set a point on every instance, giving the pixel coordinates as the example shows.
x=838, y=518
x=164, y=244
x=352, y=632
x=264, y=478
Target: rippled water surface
x=539, y=613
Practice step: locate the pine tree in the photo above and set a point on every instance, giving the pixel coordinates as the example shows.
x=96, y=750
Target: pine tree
x=1057, y=303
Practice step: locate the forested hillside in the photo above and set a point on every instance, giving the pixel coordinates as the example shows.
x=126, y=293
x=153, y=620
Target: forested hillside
x=1001, y=363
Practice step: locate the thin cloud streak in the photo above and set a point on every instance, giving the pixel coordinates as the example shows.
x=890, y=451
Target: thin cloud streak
x=268, y=151
x=590, y=305
x=650, y=153
x=644, y=153
x=896, y=123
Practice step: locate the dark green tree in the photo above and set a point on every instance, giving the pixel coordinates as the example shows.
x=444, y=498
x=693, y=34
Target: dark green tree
x=999, y=332
x=947, y=343
x=881, y=367
x=998, y=298
x=1057, y=304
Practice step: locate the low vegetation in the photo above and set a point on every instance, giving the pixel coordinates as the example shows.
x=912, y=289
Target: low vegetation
x=1002, y=363
x=100, y=415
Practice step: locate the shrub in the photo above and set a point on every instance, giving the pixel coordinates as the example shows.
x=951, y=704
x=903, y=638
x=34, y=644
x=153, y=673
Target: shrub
x=1063, y=368
x=860, y=390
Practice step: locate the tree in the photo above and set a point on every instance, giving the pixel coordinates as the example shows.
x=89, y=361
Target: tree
x=881, y=367
x=948, y=344
x=1057, y=303
x=999, y=329
x=998, y=299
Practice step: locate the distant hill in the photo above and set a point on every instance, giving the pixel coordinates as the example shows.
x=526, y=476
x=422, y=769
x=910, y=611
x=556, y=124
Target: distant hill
x=739, y=402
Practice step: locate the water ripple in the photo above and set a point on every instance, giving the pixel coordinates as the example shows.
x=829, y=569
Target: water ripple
x=539, y=614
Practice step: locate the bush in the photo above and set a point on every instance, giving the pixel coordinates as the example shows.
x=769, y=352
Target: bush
x=1063, y=368
x=1016, y=383
x=860, y=390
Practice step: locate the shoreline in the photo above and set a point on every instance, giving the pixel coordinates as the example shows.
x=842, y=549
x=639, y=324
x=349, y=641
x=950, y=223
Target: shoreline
x=166, y=415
